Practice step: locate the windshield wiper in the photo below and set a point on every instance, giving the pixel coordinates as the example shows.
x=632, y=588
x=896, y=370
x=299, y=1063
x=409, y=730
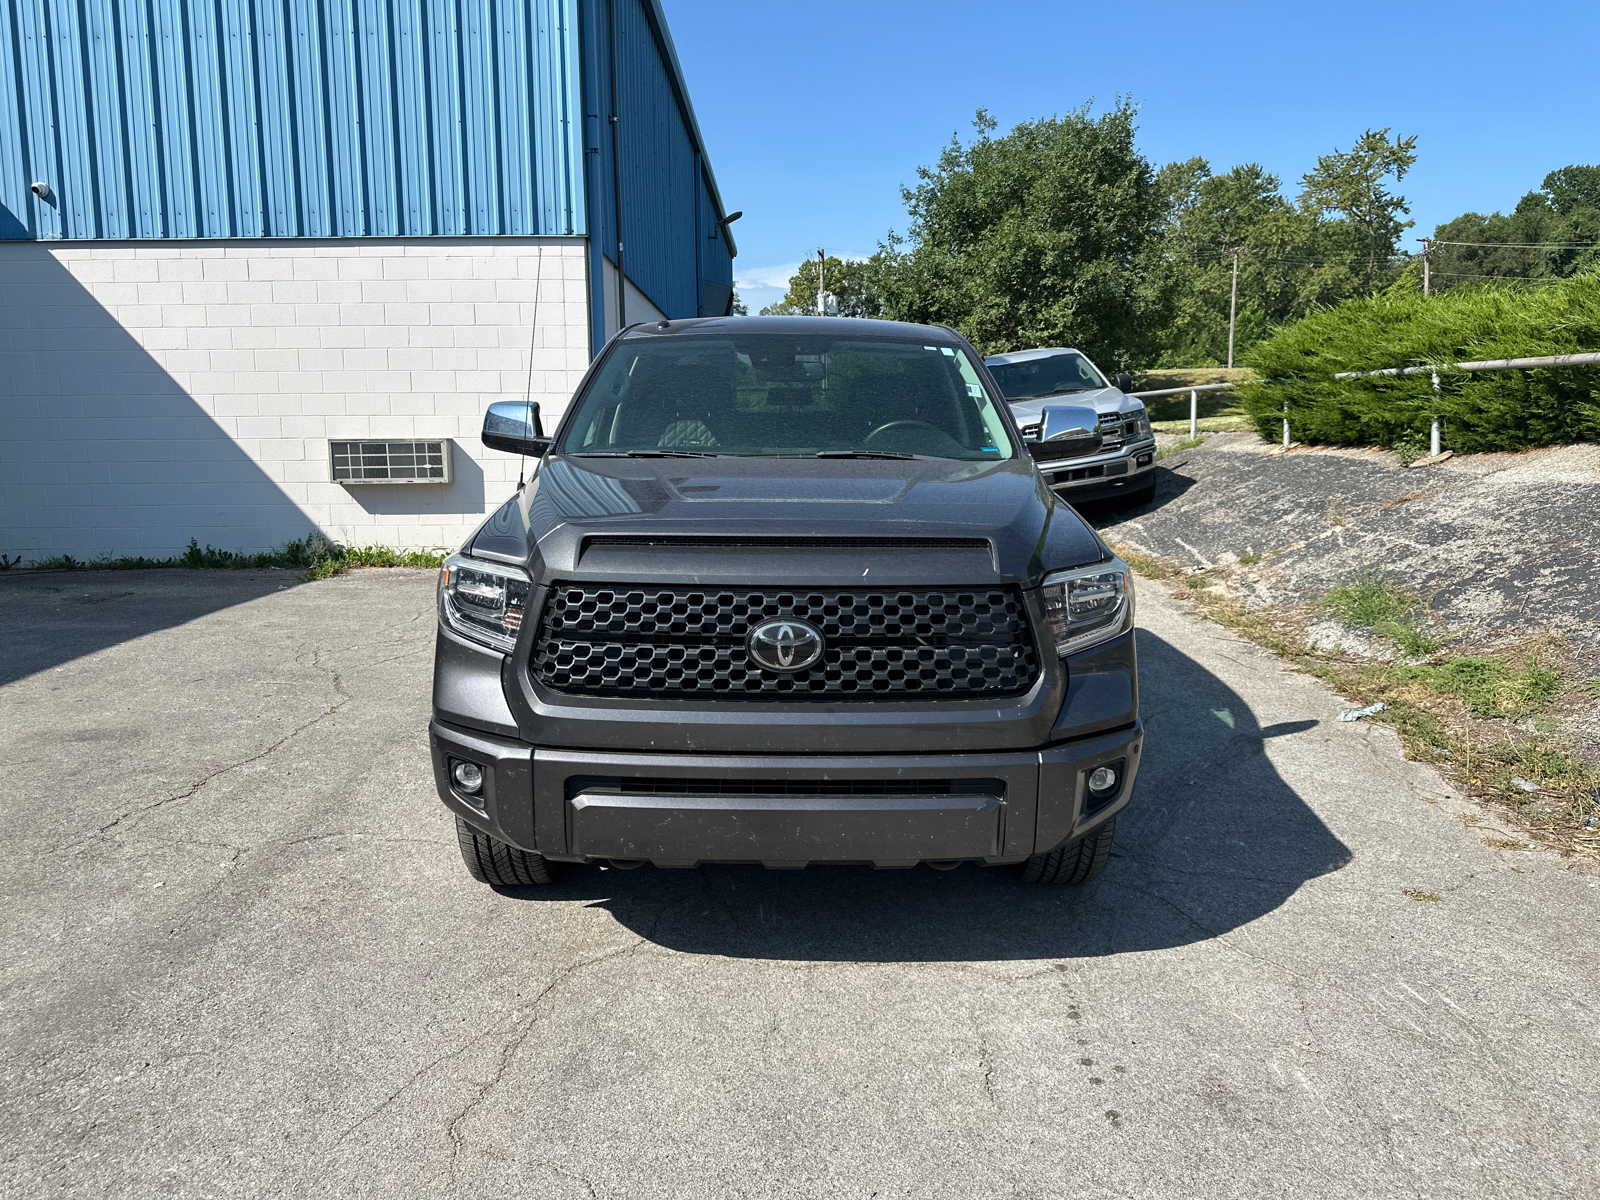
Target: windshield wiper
x=861, y=454
x=642, y=454
x=1059, y=391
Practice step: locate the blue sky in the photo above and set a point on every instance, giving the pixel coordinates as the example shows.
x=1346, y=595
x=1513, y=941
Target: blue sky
x=815, y=113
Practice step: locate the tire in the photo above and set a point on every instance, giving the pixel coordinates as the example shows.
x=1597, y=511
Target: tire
x=1074, y=863
x=491, y=861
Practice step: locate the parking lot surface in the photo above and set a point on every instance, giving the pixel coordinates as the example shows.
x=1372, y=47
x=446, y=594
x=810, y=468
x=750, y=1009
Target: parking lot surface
x=241, y=956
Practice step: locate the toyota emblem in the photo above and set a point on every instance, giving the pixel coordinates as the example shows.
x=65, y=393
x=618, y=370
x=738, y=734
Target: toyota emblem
x=785, y=645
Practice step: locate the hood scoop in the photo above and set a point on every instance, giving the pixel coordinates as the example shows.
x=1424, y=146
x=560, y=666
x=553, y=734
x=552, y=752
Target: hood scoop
x=819, y=489
x=692, y=558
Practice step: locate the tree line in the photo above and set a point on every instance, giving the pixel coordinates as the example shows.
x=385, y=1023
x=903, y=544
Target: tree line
x=1061, y=232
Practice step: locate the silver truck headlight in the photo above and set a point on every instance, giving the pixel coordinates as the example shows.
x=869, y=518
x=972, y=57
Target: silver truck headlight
x=484, y=601
x=1088, y=605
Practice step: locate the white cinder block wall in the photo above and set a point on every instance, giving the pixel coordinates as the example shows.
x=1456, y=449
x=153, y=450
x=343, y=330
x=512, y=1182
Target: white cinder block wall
x=154, y=392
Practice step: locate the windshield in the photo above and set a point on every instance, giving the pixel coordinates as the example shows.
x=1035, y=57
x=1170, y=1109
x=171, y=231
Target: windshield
x=772, y=393
x=1068, y=371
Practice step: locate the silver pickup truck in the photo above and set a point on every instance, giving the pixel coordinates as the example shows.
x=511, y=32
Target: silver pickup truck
x=1125, y=466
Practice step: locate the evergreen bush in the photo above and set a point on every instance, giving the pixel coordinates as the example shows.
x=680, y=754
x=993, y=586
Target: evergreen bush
x=1479, y=411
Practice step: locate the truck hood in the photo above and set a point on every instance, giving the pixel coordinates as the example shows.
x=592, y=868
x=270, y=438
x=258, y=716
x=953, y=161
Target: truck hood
x=787, y=521
x=1102, y=400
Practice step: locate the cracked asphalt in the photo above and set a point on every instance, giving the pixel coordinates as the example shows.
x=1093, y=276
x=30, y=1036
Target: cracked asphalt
x=242, y=958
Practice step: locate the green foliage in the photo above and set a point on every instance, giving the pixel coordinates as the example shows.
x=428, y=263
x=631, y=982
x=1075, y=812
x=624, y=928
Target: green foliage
x=1412, y=641
x=1411, y=445
x=1339, y=239
x=1489, y=687
x=856, y=283
x=1047, y=236
x=1372, y=598
x=1185, y=444
x=1351, y=187
x=1372, y=601
x=314, y=555
x=1488, y=411
x=1553, y=233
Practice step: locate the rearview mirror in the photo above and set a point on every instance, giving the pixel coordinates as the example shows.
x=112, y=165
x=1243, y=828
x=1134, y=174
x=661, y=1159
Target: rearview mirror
x=1066, y=431
x=514, y=426
x=1124, y=382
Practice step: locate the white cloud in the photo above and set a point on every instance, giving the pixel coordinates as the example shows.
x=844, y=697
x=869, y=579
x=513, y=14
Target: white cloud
x=766, y=277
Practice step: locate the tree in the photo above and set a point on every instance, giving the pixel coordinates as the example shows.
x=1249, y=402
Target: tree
x=855, y=282
x=738, y=308
x=1553, y=233
x=1211, y=216
x=1049, y=235
x=1358, y=217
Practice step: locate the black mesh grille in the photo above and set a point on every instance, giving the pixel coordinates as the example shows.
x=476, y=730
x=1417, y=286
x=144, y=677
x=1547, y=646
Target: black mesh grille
x=953, y=643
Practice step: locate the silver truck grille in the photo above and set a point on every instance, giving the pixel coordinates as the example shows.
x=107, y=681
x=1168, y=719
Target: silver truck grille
x=675, y=642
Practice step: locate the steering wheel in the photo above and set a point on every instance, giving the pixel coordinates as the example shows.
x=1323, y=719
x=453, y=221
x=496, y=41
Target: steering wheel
x=907, y=423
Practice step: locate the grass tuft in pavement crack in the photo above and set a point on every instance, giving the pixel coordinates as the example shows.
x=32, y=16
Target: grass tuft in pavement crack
x=1372, y=601
x=1185, y=444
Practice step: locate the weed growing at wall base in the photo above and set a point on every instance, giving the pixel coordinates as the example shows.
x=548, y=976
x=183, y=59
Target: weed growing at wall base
x=316, y=557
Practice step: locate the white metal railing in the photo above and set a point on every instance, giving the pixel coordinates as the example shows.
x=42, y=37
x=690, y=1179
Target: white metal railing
x=1194, y=400
x=1490, y=364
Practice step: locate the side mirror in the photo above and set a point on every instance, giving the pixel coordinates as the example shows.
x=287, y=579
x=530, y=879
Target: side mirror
x=1124, y=382
x=1066, y=431
x=514, y=426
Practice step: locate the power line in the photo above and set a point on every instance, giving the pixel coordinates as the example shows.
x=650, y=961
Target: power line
x=1528, y=245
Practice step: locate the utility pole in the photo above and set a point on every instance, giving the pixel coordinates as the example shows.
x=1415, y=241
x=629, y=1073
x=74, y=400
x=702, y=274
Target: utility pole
x=1233, y=305
x=1427, y=290
x=822, y=285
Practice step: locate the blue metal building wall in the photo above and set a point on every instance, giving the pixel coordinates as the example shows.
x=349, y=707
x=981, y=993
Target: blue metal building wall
x=672, y=245
x=290, y=118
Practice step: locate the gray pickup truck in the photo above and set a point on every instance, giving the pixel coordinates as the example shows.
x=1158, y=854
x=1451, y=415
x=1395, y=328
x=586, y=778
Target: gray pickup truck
x=786, y=591
x=1124, y=468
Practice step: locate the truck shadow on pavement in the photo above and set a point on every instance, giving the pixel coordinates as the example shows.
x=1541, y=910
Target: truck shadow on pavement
x=50, y=618
x=1212, y=839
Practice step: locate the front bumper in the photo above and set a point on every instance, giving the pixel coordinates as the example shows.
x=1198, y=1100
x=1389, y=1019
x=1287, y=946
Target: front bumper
x=1103, y=476
x=678, y=810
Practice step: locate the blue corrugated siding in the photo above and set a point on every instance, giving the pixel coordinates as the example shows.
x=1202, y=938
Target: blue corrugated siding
x=671, y=244
x=289, y=118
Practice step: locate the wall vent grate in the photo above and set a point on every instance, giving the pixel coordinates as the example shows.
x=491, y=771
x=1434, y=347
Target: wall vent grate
x=391, y=462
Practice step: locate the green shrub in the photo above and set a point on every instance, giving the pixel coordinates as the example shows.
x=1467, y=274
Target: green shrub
x=1479, y=411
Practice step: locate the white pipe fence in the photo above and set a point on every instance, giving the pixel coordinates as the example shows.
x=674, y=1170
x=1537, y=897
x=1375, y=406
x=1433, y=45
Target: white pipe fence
x=1492, y=364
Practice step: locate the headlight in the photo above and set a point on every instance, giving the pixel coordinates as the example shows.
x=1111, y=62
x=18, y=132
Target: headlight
x=484, y=601
x=1089, y=604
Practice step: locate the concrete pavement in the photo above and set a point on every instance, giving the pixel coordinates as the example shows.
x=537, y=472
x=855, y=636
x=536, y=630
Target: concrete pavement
x=242, y=958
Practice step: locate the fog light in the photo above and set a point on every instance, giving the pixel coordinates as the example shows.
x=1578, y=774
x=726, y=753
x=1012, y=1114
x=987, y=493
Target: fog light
x=1103, y=780
x=469, y=777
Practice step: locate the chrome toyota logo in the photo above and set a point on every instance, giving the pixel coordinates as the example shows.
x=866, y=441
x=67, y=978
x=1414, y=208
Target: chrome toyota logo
x=785, y=645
